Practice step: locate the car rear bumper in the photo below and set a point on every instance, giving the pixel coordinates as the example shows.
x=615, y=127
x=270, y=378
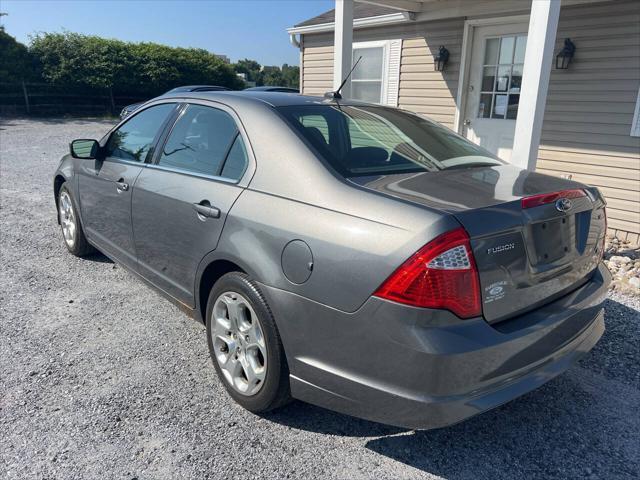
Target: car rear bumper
x=421, y=368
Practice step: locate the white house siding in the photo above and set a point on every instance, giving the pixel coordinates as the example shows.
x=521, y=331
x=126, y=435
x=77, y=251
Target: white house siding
x=590, y=106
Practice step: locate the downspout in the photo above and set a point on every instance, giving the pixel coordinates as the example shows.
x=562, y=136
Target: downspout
x=294, y=41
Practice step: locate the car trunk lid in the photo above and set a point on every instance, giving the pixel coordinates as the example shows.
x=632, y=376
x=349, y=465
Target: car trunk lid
x=526, y=257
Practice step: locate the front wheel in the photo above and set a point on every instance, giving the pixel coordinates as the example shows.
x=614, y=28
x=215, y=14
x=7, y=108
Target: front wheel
x=70, y=225
x=245, y=345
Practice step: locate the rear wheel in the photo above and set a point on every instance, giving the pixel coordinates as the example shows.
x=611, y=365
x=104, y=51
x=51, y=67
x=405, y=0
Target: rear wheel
x=70, y=225
x=245, y=345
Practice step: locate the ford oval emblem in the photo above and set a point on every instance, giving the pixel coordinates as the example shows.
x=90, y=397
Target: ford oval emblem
x=496, y=290
x=563, y=205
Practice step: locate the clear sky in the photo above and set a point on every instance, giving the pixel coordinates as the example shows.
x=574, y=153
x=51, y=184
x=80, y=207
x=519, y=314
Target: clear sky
x=254, y=29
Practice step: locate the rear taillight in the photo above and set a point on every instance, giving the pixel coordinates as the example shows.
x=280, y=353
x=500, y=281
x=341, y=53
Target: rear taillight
x=442, y=274
x=544, y=198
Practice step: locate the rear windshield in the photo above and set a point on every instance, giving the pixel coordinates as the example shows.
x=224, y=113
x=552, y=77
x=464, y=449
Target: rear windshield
x=371, y=140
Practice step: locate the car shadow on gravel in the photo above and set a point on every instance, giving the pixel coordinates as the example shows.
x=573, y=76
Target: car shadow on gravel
x=310, y=418
x=97, y=257
x=571, y=427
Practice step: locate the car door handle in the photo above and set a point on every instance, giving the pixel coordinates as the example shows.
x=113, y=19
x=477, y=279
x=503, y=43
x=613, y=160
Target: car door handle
x=122, y=186
x=205, y=209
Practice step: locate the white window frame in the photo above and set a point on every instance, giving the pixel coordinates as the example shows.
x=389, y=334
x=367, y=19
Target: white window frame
x=389, y=87
x=635, y=124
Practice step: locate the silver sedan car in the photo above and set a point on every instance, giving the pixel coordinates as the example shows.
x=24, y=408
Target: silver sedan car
x=354, y=256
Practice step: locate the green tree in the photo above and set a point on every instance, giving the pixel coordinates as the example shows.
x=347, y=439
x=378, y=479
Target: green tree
x=251, y=68
x=291, y=75
x=16, y=63
x=287, y=76
x=75, y=59
x=149, y=68
x=272, y=76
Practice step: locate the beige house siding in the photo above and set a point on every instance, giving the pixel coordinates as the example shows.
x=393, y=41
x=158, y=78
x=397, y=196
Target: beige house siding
x=317, y=58
x=421, y=89
x=589, y=111
x=587, y=122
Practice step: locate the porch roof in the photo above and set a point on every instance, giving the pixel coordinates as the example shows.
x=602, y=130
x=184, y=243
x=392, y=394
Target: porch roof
x=368, y=13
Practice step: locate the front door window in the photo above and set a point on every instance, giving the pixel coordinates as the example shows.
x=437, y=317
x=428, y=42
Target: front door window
x=502, y=77
x=134, y=139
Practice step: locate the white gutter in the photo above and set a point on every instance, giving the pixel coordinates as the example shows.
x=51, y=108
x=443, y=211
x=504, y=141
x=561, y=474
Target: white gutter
x=294, y=40
x=388, y=19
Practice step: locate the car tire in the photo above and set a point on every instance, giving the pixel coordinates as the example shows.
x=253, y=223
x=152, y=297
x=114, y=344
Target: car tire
x=70, y=225
x=236, y=292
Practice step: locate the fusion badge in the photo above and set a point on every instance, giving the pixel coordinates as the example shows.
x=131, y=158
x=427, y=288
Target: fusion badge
x=501, y=248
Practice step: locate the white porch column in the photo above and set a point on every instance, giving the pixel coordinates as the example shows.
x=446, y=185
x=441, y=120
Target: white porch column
x=538, y=60
x=342, y=46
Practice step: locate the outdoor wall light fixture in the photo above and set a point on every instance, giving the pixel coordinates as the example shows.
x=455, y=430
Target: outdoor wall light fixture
x=440, y=60
x=564, y=57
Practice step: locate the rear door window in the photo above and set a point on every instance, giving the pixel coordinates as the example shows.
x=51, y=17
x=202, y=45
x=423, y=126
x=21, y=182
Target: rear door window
x=202, y=141
x=236, y=162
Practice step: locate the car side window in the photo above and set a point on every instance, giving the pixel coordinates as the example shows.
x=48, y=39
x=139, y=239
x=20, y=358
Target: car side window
x=237, y=161
x=200, y=141
x=133, y=140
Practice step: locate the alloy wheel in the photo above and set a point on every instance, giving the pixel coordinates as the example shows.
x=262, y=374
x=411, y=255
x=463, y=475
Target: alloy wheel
x=67, y=219
x=239, y=343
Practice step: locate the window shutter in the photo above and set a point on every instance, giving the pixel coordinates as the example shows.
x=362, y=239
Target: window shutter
x=393, y=72
x=635, y=124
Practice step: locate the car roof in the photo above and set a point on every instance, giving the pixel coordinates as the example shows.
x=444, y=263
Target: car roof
x=271, y=88
x=274, y=99
x=192, y=88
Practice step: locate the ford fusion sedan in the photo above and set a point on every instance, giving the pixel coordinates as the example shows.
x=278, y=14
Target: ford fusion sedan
x=354, y=256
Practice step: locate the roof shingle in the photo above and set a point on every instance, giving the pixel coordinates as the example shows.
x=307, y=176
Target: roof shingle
x=360, y=10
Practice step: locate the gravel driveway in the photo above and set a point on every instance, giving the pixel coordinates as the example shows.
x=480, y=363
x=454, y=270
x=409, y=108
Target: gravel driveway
x=102, y=378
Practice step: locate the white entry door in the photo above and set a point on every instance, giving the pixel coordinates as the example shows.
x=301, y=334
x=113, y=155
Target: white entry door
x=495, y=78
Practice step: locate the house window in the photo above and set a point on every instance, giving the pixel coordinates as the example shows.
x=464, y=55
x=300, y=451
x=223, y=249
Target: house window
x=502, y=77
x=367, y=79
x=377, y=76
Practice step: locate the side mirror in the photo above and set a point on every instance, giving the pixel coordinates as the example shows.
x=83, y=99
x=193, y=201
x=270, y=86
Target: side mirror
x=84, y=149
